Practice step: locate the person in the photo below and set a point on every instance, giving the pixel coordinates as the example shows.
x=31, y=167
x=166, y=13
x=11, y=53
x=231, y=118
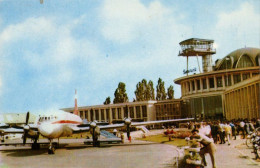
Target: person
x=122, y=137
x=214, y=132
x=227, y=129
x=233, y=128
x=208, y=146
x=242, y=128
x=221, y=133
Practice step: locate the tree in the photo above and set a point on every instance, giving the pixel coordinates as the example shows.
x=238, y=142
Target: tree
x=120, y=94
x=160, y=90
x=170, y=92
x=107, y=101
x=150, y=84
x=144, y=91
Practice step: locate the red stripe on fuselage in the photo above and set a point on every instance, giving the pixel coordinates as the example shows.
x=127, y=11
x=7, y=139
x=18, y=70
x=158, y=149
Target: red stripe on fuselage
x=66, y=122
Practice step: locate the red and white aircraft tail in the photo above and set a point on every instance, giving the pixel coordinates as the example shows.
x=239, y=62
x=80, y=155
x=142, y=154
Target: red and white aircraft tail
x=76, y=110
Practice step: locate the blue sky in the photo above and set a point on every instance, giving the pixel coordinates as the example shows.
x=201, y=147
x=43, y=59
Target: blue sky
x=48, y=50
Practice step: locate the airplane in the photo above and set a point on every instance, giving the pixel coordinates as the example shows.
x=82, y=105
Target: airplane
x=62, y=124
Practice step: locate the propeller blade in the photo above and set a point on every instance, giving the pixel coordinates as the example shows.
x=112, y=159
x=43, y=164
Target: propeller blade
x=25, y=136
x=27, y=118
x=26, y=127
x=128, y=131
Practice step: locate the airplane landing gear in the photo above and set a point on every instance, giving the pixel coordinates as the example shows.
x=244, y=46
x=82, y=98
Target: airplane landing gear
x=51, y=149
x=35, y=145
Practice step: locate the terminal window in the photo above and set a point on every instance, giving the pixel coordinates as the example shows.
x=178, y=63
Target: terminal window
x=219, y=81
x=237, y=78
x=204, y=82
x=198, y=84
x=211, y=83
x=228, y=80
x=144, y=110
x=119, y=113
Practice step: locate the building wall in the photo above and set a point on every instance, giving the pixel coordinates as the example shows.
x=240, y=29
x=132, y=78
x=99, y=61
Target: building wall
x=139, y=111
x=204, y=95
x=242, y=100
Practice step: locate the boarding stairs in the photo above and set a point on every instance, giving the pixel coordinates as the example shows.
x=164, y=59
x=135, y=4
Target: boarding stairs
x=143, y=129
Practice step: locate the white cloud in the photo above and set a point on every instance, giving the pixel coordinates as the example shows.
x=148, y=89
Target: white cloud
x=51, y=48
x=124, y=20
x=238, y=28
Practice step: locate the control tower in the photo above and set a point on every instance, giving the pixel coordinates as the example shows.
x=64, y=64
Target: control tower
x=198, y=47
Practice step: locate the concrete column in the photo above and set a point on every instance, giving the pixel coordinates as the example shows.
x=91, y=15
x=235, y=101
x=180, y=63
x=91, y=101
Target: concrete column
x=190, y=87
x=99, y=115
x=134, y=111
x=223, y=81
x=215, y=82
x=232, y=80
x=110, y=115
x=207, y=81
x=196, y=87
x=122, y=112
x=201, y=85
x=89, y=115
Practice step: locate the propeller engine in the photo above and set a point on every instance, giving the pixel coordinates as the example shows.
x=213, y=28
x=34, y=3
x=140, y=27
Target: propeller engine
x=128, y=125
x=26, y=128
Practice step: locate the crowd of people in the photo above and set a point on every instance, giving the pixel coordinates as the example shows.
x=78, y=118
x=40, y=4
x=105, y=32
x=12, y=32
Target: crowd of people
x=223, y=131
x=219, y=132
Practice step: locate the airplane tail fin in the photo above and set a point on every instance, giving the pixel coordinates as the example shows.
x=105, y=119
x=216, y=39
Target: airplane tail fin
x=76, y=111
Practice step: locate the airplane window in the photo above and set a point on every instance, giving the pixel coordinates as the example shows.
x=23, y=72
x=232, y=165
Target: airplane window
x=45, y=118
x=48, y=118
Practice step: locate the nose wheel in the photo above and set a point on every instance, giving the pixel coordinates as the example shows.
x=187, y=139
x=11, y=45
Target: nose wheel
x=51, y=149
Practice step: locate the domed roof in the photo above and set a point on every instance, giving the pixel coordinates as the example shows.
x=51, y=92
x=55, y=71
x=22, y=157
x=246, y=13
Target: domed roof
x=241, y=58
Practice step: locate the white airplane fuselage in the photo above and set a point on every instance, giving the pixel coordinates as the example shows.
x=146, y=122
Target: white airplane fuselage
x=58, y=125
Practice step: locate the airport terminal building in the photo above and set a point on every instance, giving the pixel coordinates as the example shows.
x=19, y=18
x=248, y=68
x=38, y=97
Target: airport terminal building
x=137, y=111
x=227, y=90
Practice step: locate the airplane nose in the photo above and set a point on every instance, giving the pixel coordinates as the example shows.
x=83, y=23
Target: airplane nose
x=48, y=130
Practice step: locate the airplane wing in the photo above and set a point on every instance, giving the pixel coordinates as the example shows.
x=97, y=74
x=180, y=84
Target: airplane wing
x=2, y=126
x=133, y=124
x=159, y=121
x=79, y=129
x=111, y=126
x=12, y=131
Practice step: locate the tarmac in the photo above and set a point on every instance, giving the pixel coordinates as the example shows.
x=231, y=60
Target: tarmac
x=135, y=154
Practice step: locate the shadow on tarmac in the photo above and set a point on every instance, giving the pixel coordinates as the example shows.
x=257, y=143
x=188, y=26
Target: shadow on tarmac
x=23, y=152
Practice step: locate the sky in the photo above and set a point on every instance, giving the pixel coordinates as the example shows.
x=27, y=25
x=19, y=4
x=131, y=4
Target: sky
x=48, y=50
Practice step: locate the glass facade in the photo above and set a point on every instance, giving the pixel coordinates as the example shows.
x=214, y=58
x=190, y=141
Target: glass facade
x=165, y=111
x=205, y=107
